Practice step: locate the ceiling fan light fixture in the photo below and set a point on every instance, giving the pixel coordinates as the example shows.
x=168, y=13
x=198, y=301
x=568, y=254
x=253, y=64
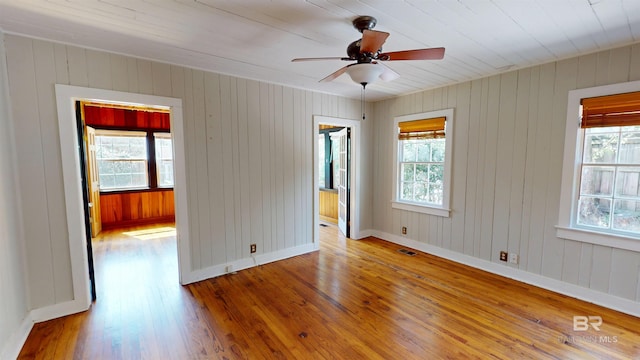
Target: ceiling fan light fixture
x=367, y=52
x=365, y=73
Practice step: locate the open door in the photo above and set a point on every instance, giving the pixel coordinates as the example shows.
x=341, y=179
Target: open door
x=83, y=152
x=343, y=138
x=93, y=182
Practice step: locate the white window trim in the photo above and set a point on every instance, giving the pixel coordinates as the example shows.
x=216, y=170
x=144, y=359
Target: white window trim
x=396, y=203
x=167, y=136
x=567, y=228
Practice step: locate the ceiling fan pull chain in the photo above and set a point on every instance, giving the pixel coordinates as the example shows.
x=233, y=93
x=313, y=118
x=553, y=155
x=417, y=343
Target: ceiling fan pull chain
x=362, y=100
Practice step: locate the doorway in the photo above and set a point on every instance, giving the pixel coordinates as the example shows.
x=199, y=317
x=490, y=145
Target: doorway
x=66, y=97
x=336, y=174
x=126, y=160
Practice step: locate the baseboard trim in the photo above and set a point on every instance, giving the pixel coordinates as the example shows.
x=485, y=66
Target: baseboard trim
x=12, y=348
x=363, y=234
x=58, y=310
x=245, y=263
x=596, y=297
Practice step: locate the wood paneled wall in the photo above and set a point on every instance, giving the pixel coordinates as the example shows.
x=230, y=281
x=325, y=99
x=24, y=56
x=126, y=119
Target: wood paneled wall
x=101, y=116
x=248, y=147
x=13, y=301
x=507, y=163
x=136, y=208
x=329, y=206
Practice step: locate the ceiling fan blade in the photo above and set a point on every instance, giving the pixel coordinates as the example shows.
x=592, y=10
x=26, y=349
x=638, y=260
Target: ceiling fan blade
x=419, y=54
x=388, y=74
x=372, y=41
x=321, y=58
x=335, y=74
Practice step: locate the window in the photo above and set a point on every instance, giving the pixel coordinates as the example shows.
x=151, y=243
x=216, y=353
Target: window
x=600, y=195
x=608, y=196
x=327, y=164
x=164, y=159
x=122, y=159
x=423, y=166
x=130, y=160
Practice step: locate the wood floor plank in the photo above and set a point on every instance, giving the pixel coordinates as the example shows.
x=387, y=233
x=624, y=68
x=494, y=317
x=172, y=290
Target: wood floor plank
x=350, y=300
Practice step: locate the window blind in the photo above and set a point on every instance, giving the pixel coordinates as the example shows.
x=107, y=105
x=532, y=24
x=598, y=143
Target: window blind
x=422, y=129
x=611, y=110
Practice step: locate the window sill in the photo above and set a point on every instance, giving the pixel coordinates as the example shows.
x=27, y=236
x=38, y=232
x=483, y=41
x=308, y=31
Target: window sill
x=133, y=190
x=598, y=238
x=424, y=209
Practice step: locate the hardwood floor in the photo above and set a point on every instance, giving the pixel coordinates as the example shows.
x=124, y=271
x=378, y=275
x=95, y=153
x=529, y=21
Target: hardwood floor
x=351, y=300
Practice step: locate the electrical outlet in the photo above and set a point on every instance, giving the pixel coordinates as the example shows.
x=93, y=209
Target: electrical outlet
x=503, y=255
x=404, y=230
x=253, y=248
x=514, y=258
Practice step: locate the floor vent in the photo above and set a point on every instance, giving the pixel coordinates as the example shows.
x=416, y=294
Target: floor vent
x=407, y=252
x=324, y=225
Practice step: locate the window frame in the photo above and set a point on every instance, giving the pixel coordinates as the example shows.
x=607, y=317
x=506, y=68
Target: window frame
x=161, y=135
x=425, y=208
x=567, y=227
x=152, y=175
x=130, y=135
x=328, y=166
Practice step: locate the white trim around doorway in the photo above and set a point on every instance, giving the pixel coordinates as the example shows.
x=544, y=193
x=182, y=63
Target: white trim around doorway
x=355, y=175
x=65, y=97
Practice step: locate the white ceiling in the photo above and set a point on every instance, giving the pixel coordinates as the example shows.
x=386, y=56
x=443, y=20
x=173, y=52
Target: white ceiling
x=257, y=39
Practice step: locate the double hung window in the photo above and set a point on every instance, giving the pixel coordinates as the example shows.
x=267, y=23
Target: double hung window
x=423, y=162
x=122, y=159
x=600, y=199
x=129, y=160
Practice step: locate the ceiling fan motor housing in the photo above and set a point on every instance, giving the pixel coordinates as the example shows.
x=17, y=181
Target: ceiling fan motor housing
x=362, y=23
x=353, y=51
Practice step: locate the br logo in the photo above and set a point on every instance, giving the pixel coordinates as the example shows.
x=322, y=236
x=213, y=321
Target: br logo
x=582, y=323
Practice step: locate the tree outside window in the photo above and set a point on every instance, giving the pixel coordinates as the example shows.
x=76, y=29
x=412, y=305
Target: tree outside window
x=122, y=160
x=129, y=160
x=422, y=168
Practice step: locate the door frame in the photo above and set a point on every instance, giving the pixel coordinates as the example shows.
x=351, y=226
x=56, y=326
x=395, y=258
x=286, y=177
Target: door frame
x=354, y=170
x=66, y=96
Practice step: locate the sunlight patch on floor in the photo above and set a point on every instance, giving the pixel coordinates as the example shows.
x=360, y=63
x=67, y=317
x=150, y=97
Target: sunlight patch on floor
x=151, y=234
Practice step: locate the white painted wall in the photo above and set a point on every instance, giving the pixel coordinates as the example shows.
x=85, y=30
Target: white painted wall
x=248, y=148
x=13, y=301
x=507, y=167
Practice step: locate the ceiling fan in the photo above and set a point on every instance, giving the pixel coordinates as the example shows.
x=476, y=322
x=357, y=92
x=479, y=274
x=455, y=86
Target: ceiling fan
x=367, y=52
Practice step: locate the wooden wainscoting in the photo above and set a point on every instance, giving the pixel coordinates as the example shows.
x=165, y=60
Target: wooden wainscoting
x=329, y=205
x=136, y=208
